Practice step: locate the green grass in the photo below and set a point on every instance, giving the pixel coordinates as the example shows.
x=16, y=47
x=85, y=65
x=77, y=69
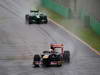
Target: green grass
x=77, y=27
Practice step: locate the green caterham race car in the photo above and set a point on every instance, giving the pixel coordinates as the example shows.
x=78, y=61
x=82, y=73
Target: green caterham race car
x=36, y=17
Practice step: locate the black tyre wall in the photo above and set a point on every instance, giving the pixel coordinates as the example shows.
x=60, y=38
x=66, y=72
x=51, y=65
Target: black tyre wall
x=36, y=57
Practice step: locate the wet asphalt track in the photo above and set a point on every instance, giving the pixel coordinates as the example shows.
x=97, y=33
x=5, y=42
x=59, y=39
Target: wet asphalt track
x=19, y=41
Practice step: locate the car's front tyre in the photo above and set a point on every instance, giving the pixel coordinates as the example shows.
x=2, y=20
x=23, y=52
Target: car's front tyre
x=36, y=60
x=26, y=18
x=66, y=56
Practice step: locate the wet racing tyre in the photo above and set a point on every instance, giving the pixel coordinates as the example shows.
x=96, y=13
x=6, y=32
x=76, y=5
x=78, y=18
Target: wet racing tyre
x=36, y=58
x=26, y=17
x=30, y=20
x=66, y=56
x=46, y=21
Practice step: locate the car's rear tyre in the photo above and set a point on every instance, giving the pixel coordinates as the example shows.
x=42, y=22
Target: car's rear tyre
x=66, y=56
x=36, y=58
x=46, y=20
x=29, y=22
x=26, y=17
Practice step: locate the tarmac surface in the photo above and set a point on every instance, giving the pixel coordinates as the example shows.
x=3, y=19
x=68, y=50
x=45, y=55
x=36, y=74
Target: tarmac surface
x=20, y=41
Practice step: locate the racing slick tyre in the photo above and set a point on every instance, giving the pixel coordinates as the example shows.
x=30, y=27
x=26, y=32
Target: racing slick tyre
x=66, y=56
x=36, y=59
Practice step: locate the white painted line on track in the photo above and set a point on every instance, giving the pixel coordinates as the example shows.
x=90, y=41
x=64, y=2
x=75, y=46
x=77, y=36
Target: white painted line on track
x=94, y=50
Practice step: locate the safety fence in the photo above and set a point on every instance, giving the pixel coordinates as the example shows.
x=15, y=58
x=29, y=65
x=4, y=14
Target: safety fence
x=66, y=12
x=90, y=20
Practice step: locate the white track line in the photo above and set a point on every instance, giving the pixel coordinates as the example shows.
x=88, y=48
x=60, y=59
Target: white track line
x=97, y=52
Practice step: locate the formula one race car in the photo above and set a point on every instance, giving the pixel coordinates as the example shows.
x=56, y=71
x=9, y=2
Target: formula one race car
x=36, y=16
x=56, y=56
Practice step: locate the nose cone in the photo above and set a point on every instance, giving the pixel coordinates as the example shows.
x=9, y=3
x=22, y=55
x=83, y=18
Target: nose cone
x=45, y=56
x=38, y=16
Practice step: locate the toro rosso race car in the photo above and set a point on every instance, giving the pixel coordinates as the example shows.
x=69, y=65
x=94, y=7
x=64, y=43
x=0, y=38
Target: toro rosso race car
x=35, y=16
x=56, y=56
